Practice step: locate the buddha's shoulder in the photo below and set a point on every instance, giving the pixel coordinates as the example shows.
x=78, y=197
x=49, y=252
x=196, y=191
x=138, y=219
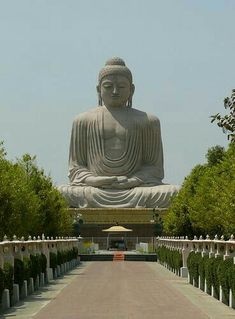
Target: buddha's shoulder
x=144, y=116
x=87, y=116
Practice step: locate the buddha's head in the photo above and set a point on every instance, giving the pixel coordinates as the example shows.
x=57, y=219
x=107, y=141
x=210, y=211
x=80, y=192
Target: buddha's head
x=115, y=87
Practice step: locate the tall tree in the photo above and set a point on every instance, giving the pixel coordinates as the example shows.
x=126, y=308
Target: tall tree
x=29, y=203
x=52, y=216
x=206, y=201
x=18, y=203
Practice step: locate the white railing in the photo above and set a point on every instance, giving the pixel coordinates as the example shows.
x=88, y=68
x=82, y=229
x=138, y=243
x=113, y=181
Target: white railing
x=213, y=247
x=217, y=247
x=21, y=248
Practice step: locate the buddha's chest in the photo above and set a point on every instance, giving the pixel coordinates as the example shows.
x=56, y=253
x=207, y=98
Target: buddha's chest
x=115, y=126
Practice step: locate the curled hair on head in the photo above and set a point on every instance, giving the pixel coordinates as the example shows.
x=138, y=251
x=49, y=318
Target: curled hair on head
x=115, y=66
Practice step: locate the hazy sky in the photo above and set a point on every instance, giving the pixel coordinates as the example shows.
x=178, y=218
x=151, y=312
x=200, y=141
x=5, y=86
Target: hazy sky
x=181, y=54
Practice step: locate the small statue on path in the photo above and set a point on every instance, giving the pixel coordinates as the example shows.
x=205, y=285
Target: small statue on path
x=116, y=156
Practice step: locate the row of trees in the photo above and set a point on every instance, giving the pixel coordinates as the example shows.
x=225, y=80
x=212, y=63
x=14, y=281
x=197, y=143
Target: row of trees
x=29, y=203
x=206, y=201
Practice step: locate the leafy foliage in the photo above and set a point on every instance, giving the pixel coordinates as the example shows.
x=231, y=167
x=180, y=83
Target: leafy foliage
x=215, y=155
x=27, y=268
x=193, y=262
x=35, y=266
x=172, y=258
x=227, y=122
x=216, y=271
x=8, y=272
x=206, y=201
x=18, y=272
x=62, y=256
x=223, y=276
x=1, y=283
x=29, y=203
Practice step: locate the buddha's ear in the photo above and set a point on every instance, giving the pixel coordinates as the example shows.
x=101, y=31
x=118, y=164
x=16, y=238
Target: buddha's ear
x=132, y=89
x=99, y=95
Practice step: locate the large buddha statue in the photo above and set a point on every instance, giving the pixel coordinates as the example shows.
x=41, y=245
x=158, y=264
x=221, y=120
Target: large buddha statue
x=116, y=156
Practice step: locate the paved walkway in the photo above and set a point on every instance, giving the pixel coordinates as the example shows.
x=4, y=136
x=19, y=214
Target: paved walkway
x=120, y=290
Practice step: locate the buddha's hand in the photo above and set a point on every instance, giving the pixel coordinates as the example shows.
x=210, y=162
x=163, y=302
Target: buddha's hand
x=100, y=181
x=126, y=183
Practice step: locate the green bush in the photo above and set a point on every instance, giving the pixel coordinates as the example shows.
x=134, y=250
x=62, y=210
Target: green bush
x=53, y=260
x=75, y=253
x=223, y=276
x=208, y=274
x=8, y=272
x=197, y=267
x=211, y=269
x=18, y=272
x=66, y=256
x=43, y=263
x=202, y=271
x=231, y=278
x=215, y=277
x=173, y=258
x=193, y=262
x=27, y=268
x=60, y=257
x=1, y=283
x=35, y=266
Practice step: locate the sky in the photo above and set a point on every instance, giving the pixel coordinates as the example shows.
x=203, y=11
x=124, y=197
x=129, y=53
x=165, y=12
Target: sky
x=180, y=52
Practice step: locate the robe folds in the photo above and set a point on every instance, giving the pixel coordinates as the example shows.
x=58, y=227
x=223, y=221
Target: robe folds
x=142, y=158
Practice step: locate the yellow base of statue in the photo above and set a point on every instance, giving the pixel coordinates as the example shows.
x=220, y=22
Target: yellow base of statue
x=118, y=215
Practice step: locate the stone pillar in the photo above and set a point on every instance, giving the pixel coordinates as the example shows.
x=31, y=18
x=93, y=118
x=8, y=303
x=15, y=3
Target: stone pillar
x=16, y=294
x=24, y=290
x=231, y=299
x=5, y=299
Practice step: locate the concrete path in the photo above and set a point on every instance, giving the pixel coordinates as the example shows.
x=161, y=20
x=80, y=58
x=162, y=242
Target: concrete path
x=120, y=290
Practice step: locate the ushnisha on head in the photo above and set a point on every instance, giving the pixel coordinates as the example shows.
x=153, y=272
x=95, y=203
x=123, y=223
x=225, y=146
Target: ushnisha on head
x=115, y=83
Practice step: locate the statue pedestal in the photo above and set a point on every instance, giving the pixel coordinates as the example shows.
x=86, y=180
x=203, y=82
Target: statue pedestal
x=140, y=220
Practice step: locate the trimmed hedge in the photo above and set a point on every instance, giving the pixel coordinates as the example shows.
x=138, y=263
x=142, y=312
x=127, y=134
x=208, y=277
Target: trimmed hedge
x=202, y=271
x=211, y=274
x=8, y=272
x=27, y=268
x=173, y=258
x=223, y=276
x=231, y=278
x=61, y=257
x=53, y=260
x=216, y=271
x=19, y=272
x=1, y=284
x=35, y=266
x=193, y=262
x=31, y=266
x=43, y=262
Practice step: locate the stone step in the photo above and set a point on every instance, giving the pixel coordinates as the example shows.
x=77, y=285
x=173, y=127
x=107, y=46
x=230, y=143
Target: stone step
x=119, y=256
x=110, y=257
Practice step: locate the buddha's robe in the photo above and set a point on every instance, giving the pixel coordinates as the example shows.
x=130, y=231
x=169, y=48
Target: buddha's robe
x=142, y=158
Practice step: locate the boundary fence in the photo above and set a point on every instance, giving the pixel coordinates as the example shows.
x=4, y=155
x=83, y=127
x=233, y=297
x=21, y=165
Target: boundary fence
x=182, y=256
x=60, y=255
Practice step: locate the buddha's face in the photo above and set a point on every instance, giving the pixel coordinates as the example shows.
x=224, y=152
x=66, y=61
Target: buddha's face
x=115, y=90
